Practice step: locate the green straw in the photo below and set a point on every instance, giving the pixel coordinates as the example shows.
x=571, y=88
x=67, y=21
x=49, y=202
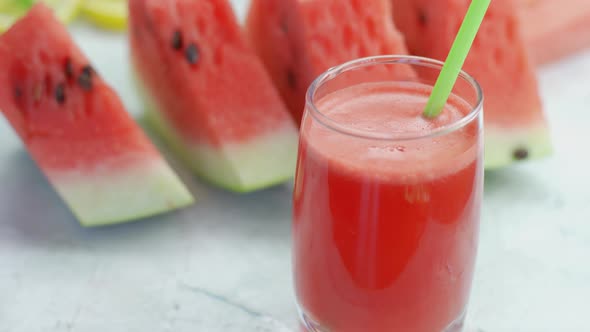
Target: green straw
x=452, y=67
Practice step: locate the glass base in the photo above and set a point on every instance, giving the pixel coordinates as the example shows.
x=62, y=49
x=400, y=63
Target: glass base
x=309, y=325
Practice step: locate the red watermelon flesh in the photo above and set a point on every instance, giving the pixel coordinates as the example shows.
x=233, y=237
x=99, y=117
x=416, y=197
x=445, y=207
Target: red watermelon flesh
x=299, y=39
x=555, y=28
x=209, y=94
x=76, y=129
x=514, y=122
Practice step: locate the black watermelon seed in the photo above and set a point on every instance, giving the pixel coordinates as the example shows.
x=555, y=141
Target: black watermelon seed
x=192, y=53
x=177, y=40
x=60, y=93
x=291, y=79
x=69, y=69
x=18, y=92
x=422, y=18
x=284, y=25
x=88, y=70
x=521, y=154
x=85, y=78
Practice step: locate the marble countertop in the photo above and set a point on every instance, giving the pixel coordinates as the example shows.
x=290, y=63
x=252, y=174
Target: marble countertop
x=224, y=264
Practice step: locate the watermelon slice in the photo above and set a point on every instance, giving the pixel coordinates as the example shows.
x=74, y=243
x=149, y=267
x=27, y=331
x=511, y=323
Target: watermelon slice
x=556, y=28
x=76, y=129
x=208, y=94
x=299, y=39
x=515, y=127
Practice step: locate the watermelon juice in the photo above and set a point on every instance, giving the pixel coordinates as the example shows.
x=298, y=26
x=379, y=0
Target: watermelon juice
x=386, y=202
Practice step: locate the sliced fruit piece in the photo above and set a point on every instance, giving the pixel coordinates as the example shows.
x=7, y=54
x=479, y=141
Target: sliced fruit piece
x=299, y=39
x=554, y=29
x=108, y=14
x=18, y=5
x=12, y=10
x=65, y=10
x=515, y=127
x=209, y=94
x=76, y=129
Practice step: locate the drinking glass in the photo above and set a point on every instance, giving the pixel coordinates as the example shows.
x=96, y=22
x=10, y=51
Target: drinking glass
x=386, y=204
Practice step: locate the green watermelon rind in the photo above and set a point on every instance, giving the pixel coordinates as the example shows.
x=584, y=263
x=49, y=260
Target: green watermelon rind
x=501, y=144
x=261, y=163
x=116, y=196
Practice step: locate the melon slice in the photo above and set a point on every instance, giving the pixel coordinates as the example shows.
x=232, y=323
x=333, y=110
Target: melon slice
x=554, y=29
x=299, y=39
x=12, y=10
x=76, y=129
x=209, y=95
x=109, y=14
x=515, y=127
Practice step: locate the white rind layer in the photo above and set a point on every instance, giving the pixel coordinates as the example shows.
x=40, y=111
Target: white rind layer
x=112, y=195
x=258, y=163
x=501, y=144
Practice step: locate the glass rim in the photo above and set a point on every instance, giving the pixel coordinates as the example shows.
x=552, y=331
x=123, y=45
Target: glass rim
x=334, y=72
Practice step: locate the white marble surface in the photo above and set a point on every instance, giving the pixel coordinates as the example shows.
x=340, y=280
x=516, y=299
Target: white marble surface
x=224, y=264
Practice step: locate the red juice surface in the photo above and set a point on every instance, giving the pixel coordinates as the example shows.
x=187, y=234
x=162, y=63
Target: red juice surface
x=385, y=231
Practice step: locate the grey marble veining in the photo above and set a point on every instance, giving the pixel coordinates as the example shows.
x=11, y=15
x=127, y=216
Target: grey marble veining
x=224, y=264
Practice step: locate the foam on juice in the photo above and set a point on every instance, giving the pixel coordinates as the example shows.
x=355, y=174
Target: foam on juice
x=395, y=110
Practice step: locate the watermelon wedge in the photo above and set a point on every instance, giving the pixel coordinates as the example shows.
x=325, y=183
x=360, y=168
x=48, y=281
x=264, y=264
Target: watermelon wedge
x=515, y=127
x=208, y=94
x=299, y=39
x=76, y=129
x=554, y=29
